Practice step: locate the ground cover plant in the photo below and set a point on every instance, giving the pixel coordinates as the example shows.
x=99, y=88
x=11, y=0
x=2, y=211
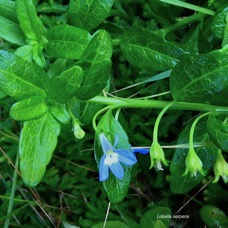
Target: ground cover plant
x=113, y=113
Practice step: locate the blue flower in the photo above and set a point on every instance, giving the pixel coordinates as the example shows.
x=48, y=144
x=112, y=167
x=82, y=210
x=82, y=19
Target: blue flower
x=113, y=158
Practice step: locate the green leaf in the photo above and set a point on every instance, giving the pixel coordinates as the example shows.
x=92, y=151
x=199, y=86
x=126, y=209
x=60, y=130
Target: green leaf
x=191, y=40
x=148, y=51
x=60, y=112
x=25, y=52
x=37, y=55
x=181, y=184
x=219, y=5
x=37, y=143
x=2, y=95
x=94, y=74
x=51, y=7
x=217, y=127
x=219, y=24
x=99, y=48
x=65, y=41
x=9, y=27
x=88, y=14
x=201, y=78
x=29, y=21
x=110, y=224
x=57, y=68
x=21, y=79
x=156, y=217
x=30, y=108
x=66, y=85
x=213, y=216
x=115, y=188
x=87, y=111
x=159, y=224
x=96, y=63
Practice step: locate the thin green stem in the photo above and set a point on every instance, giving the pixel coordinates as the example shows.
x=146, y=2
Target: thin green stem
x=155, y=133
x=189, y=6
x=10, y=136
x=12, y=194
x=106, y=217
x=98, y=113
x=154, y=78
x=115, y=42
x=17, y=200
x=191, y=134
x=181, y=23
x=155, y=95
x=137, y=103
x=14, y=212
x=117, y=114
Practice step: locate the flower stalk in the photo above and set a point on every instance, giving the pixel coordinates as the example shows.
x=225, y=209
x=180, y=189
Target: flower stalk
x=157, y=155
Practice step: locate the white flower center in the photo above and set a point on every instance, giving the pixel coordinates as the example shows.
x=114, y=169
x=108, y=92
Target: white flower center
x=159, y=166
x=111, y=158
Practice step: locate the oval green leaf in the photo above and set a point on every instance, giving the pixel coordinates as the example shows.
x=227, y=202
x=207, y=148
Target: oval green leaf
x=66, y=85
x=9, y=27
x=155, y=217
x=94, y=74
x=30, y=108
x=60, y=112
x=57, y=68
x=30, y=23
x=213, y=216
x=148, y=51
x=65, y=41
x=99, y=48
x=88, y=14
x=37, y=143
x=217, y=127
x=219, y=24
x=201, y=78
x=19, y=78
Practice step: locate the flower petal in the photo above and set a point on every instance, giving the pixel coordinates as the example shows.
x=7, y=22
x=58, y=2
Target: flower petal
x=106, y=146
x=126, y=156
x=140, y=150
x=116, y=141
x=117, y=170
x=103, y=170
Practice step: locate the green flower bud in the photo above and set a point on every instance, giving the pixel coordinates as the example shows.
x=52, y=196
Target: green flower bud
x=193, y=164
x=220, y=168
x=157, y=156
x=78, y=132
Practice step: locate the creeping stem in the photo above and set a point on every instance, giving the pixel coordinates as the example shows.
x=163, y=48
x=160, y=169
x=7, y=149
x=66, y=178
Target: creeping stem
x=139, y=103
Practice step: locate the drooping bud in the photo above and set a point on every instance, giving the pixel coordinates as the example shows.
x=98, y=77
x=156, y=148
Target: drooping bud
x=193, y=164
x=220, y=168
x=157, y=156
x=77, y=130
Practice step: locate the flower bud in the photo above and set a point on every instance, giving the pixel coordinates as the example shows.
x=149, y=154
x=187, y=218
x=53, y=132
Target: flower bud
x=157, y=156
x=77, y=130
x=193, y=164
x=220, y=168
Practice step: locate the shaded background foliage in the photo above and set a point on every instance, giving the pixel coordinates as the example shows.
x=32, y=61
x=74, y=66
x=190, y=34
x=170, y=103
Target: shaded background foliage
x=70, y=190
